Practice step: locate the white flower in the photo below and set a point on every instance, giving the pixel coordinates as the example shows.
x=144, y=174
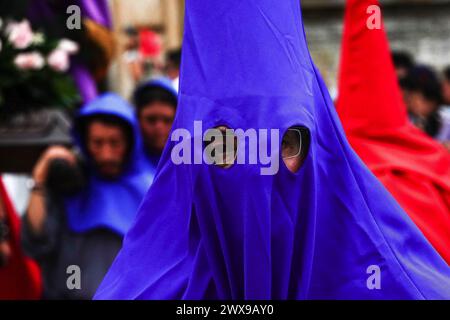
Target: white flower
x=68, y=46
x=20, y=34
x=38, y=38
x=58, y=60
x=29, y=61
x=1, y=23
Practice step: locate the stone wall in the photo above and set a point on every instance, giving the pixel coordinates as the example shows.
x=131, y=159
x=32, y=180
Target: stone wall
x=419, y=27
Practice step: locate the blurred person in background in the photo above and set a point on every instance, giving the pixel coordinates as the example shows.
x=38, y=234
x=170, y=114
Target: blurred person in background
x=425, y=103
x=403, y=63
x=445, y=112
x=20, y=277
x=156, y=103
x=81, y=208
x=173, y=63
x=446, y=87
x=132, y=56
x=95, y=36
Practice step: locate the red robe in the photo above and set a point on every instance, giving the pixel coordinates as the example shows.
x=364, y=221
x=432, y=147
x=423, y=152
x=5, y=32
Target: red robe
x=21, y=278
x=413, y=167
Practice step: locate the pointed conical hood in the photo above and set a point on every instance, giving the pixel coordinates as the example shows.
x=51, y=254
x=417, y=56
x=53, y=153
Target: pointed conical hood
x=205, y=232
x=272, y=63
x=369, y=94
x=413, y=167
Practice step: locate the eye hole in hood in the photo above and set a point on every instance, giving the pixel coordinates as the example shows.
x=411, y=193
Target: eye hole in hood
x=295, y=147
x=221, y=147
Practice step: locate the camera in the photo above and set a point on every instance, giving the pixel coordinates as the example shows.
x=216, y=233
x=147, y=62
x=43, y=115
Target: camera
x=65, y=178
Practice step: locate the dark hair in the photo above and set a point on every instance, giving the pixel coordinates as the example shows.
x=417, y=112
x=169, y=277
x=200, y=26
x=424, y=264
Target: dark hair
x=424, y=80
x=84, y=123
x=174, y=57
x=148, y=94
x=131, y=31
x=447, y=73
x=402, y=59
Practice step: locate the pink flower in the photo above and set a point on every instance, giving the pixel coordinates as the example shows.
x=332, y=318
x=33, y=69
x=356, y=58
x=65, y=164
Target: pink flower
x=68, y=46
x=29, y=61
x=20, y=34
x=58, y=60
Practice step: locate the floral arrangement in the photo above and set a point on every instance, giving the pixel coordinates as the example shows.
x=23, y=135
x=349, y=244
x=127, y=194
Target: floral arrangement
x=34, y=70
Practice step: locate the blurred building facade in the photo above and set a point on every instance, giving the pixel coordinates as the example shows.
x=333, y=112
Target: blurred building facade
x=421, y=27
x=162, y=16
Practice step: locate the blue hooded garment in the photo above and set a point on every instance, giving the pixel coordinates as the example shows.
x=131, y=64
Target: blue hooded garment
x=205, y=232
x=165, y=84
x=110, y=204
x=161, y=82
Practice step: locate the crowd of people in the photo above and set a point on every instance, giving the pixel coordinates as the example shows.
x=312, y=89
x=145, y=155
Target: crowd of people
x=427, y=96
x=117, y=146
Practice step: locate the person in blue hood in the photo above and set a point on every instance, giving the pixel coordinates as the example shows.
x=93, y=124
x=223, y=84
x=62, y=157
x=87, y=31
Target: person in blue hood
x=320, y=227
x=81, y=206
x=156, y=103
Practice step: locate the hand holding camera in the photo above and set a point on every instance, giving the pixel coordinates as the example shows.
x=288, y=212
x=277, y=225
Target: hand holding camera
x=41, y=170
x=60, y=170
